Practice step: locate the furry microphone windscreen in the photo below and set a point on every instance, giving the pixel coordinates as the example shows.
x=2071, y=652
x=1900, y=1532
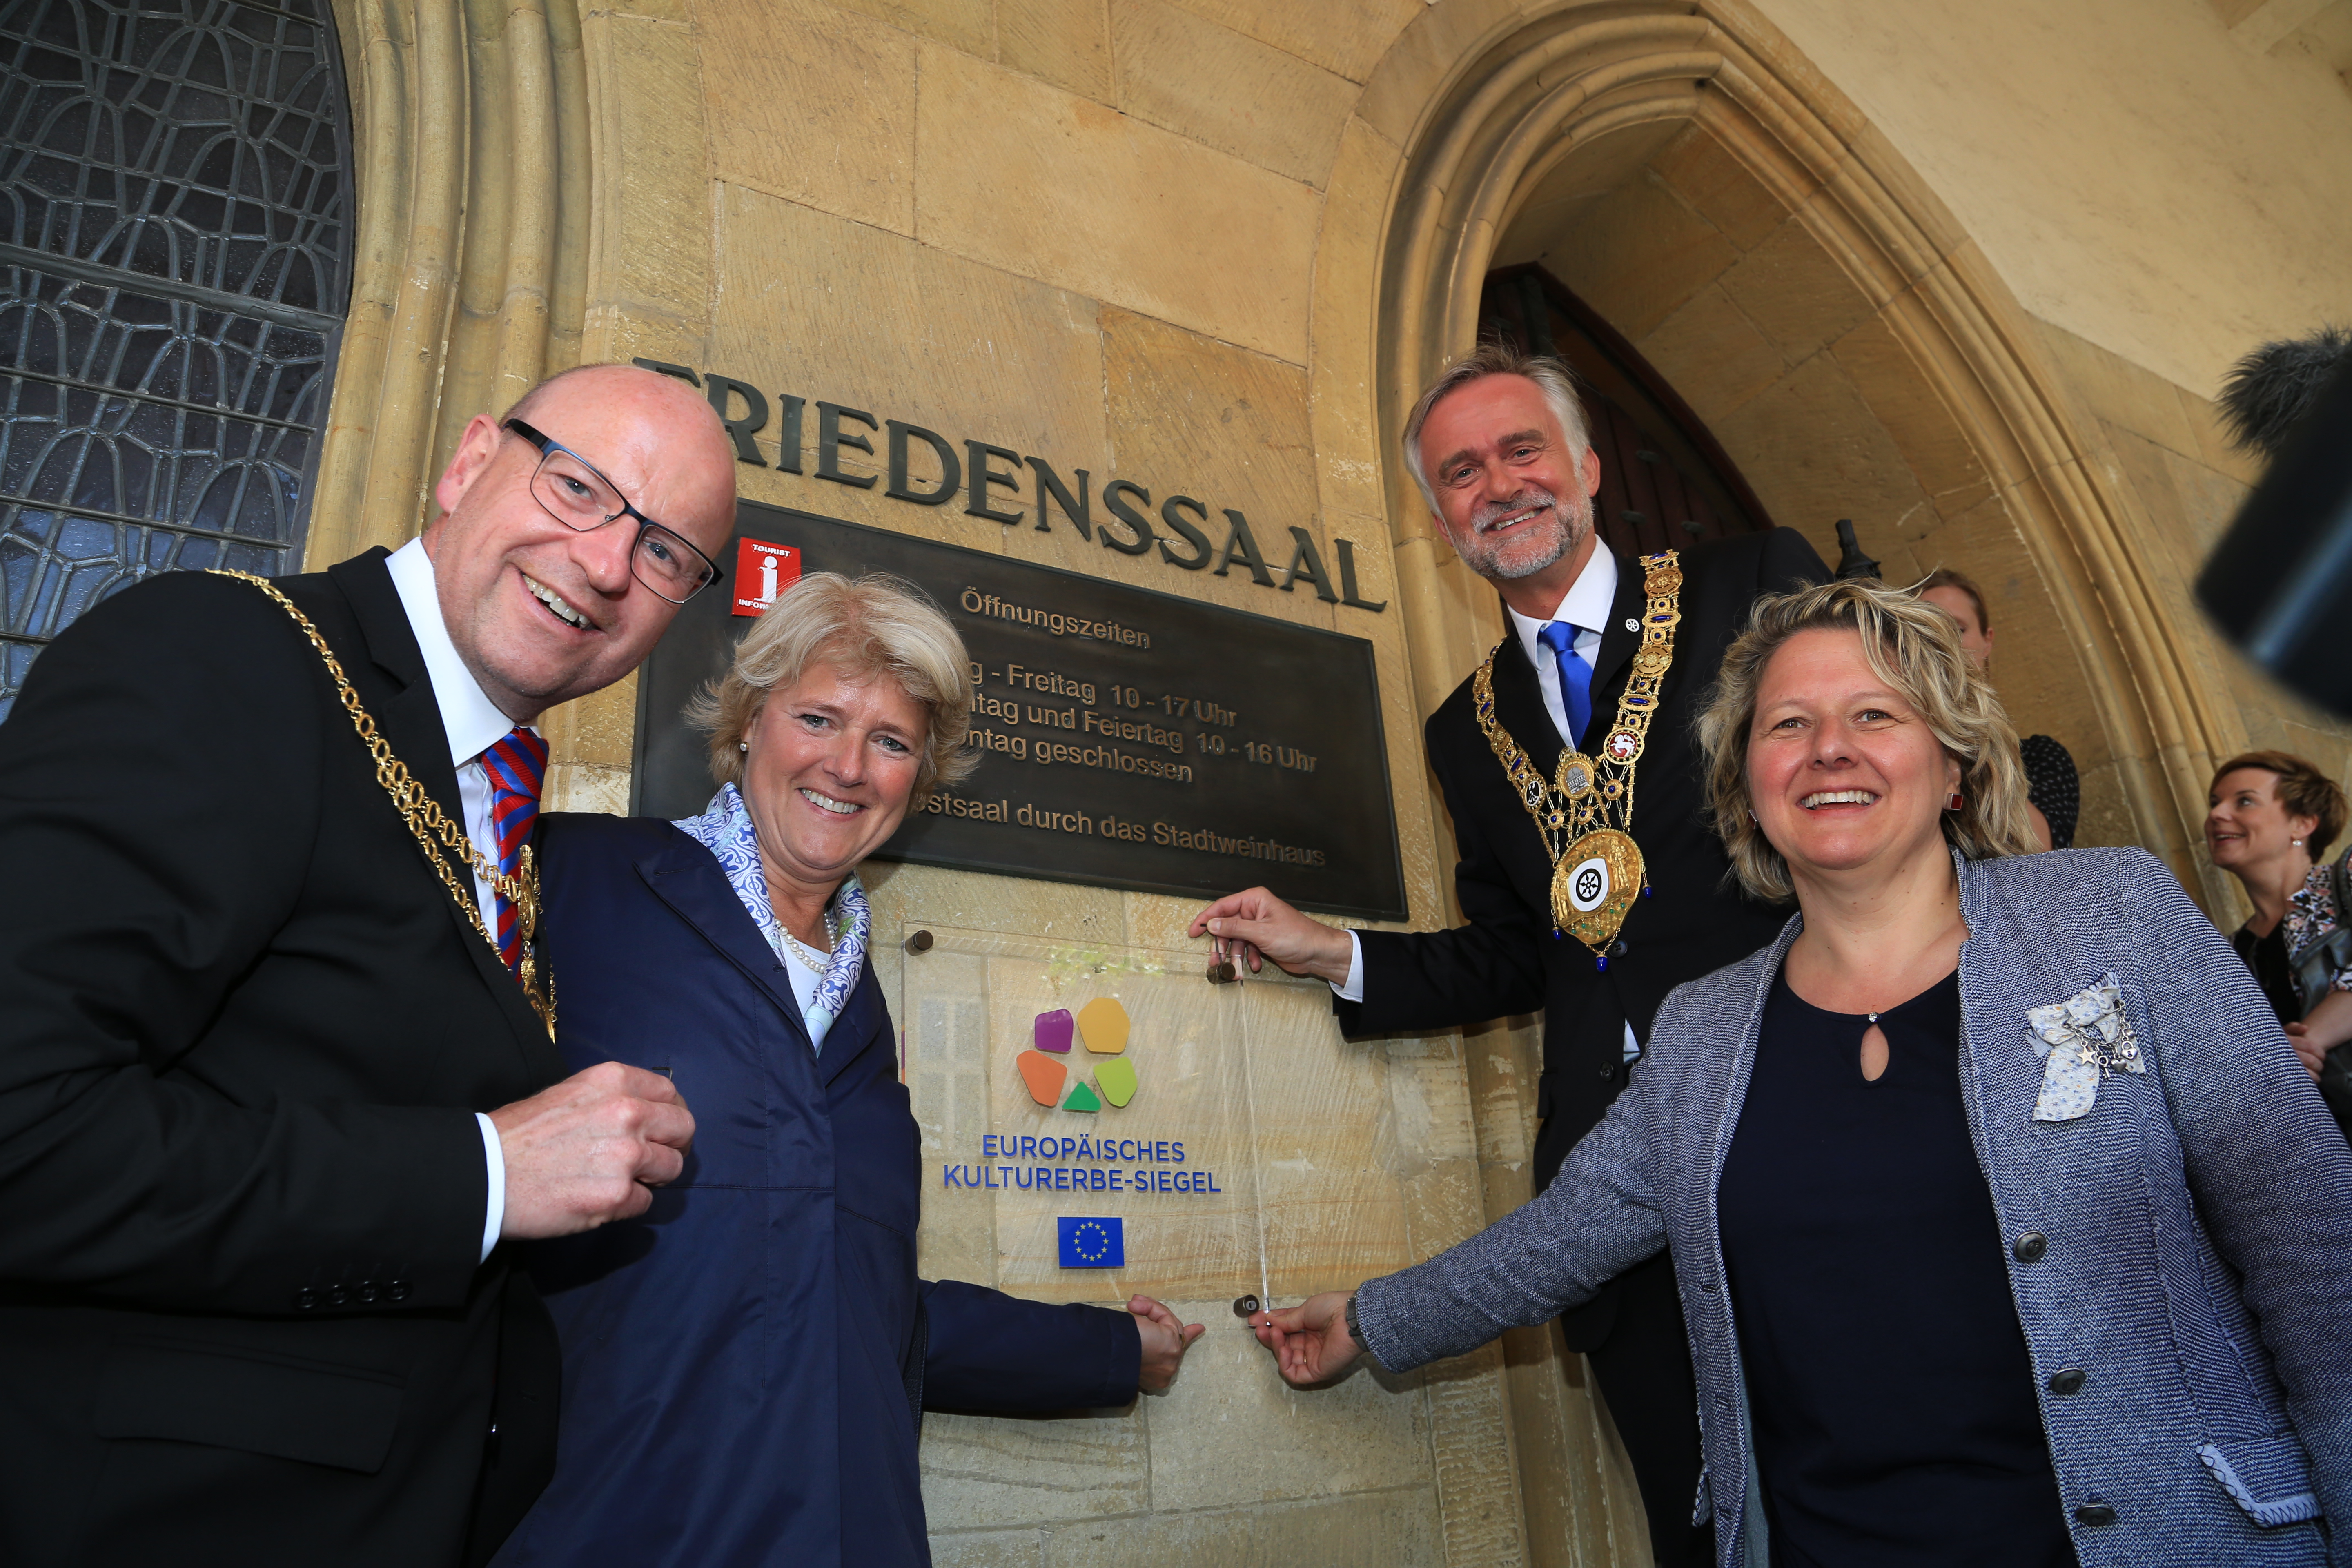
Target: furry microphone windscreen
x=2267, y=392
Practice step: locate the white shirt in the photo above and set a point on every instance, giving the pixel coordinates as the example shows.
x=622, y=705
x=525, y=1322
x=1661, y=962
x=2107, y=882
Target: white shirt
x=1587, y=606
x=474, y=725
x=804, y=981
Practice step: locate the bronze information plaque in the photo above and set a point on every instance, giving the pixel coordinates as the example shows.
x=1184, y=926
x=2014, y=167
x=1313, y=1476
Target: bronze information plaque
x=1129, y=738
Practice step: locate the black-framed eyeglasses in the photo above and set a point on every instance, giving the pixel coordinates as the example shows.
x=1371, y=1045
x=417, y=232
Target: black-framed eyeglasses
x=572, y=491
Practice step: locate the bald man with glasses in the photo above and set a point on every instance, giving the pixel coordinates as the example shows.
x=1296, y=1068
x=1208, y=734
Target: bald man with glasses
x=276, y=1077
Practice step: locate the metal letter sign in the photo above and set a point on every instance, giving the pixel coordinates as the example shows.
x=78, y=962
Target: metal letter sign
x=1129, y=738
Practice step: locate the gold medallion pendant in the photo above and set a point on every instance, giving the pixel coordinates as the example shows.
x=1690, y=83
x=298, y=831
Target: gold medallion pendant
x=1584, y=812
x=1595, y=884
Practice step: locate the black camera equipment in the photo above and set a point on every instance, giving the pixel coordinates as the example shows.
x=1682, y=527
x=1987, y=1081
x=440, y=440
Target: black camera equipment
x=2280, y=583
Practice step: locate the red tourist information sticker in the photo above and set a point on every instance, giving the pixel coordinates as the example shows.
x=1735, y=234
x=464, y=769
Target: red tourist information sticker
x=762, y=570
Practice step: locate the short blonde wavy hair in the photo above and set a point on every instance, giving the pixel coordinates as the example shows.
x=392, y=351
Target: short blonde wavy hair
x=1915, y=649
x=868, y=627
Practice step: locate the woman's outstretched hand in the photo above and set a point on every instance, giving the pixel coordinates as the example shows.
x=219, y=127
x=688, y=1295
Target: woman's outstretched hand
x=1310, y=1341
x=1166, y=1338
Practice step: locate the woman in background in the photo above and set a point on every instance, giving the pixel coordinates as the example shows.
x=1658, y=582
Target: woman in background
x=745, y=1364
x=2270, y=819
x=2054, y=790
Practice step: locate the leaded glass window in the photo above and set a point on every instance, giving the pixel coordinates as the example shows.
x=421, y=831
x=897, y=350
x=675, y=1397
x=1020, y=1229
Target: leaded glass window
x=175, y=216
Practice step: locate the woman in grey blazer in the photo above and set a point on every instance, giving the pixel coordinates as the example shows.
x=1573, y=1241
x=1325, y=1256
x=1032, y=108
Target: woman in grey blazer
x=2007, y=1225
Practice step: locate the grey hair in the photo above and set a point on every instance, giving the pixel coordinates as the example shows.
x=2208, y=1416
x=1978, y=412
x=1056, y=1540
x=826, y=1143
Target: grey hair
x=1914, y=648
x=1552, y=378
x=864, y=626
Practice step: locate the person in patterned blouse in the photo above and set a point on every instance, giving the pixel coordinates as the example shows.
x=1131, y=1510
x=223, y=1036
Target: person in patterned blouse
x=2270, y=820
x=2054, y=792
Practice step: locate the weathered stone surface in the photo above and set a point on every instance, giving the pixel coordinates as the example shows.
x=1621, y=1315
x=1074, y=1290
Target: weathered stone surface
x=904, y=332
x=645, y=84
x=1068, y=42
x=2123, y=393
x=966, y=25
x=988, y=1548
x=1228, y=90
x=1010, y=171
x=1213, y=1444
x=983, y=1472
x=1712, y=354
x=1813, y=453
x=1705, y=172
x=1560, y=199
x=1349, y=443
x=1394, y=1529
x=1796, y=293
x=1910, y=407
x=813, y=104
x=1345, y=40
x=1638, y=254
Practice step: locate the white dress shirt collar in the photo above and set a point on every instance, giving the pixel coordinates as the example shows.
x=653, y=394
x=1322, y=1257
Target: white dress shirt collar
x=474, y=722
x=1588, y=604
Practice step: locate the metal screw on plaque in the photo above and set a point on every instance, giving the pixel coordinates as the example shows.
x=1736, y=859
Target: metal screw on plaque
x=918, y=942
x=1244, y=1305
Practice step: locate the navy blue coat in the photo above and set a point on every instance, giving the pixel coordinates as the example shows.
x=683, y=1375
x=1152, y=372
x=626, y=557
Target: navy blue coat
x=743, y=1365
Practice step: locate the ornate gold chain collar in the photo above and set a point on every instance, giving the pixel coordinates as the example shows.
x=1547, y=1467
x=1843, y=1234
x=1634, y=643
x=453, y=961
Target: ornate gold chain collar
x=428, y=821
x=1584, y=813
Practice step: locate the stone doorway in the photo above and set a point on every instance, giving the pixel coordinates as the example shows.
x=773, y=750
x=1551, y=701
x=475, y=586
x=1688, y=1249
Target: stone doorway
x=1690, y=176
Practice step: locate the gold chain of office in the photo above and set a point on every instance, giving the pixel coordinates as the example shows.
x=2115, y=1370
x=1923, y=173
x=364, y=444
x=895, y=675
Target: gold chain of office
x=427, y=822
x=1584, y=812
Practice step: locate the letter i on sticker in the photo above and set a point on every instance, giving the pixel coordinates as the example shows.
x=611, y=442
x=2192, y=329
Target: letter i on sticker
x=762, y=570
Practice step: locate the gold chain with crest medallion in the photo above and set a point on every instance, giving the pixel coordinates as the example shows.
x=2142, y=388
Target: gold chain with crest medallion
x=1584, y=813
x=428, y=821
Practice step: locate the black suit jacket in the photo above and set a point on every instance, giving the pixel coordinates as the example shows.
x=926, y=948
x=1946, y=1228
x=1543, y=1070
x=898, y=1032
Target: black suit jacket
x=1507, y=961
x=243, y=1033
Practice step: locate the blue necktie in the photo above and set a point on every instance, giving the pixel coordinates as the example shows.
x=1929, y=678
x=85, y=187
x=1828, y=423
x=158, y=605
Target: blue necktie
x=1575, y=678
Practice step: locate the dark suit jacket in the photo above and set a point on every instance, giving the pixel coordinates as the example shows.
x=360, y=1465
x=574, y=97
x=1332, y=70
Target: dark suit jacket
x=243, y=1033
x=744, y=1364
x=1507, y=961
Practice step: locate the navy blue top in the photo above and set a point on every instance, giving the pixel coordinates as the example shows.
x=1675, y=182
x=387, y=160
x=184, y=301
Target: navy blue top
x=1891, y=1394
x=742, y=1363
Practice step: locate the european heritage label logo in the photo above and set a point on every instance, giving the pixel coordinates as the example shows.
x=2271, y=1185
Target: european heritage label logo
x=1103, y=1025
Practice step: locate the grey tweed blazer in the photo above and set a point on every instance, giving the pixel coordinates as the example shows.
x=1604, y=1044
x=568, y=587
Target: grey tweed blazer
x=2182, y=1233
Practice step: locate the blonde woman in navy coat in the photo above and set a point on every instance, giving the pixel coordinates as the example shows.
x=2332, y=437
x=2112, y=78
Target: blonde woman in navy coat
x=2008, y=1226
x=745, y=1365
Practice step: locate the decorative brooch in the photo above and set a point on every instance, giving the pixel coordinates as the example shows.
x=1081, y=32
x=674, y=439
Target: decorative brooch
x=2085, y=1040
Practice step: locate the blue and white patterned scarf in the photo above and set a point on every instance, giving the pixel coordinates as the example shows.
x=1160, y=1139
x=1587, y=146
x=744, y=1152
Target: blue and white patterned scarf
x=726, y=830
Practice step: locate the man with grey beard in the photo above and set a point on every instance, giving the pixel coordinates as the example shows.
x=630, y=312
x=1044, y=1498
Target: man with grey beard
x=1498, y=446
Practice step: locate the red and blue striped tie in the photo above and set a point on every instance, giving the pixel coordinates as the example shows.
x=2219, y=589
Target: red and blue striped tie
x=517, y=767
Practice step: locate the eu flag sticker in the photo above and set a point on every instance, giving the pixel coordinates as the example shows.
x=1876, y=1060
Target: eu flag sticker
x=1093, y=1242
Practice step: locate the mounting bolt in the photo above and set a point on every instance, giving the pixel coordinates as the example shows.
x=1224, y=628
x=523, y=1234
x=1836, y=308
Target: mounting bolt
x=918, y=942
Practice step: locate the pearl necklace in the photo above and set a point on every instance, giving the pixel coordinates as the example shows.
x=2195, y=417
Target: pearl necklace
x=813, y=959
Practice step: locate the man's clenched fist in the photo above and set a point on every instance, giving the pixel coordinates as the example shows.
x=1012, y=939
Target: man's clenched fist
x=590, y=1150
